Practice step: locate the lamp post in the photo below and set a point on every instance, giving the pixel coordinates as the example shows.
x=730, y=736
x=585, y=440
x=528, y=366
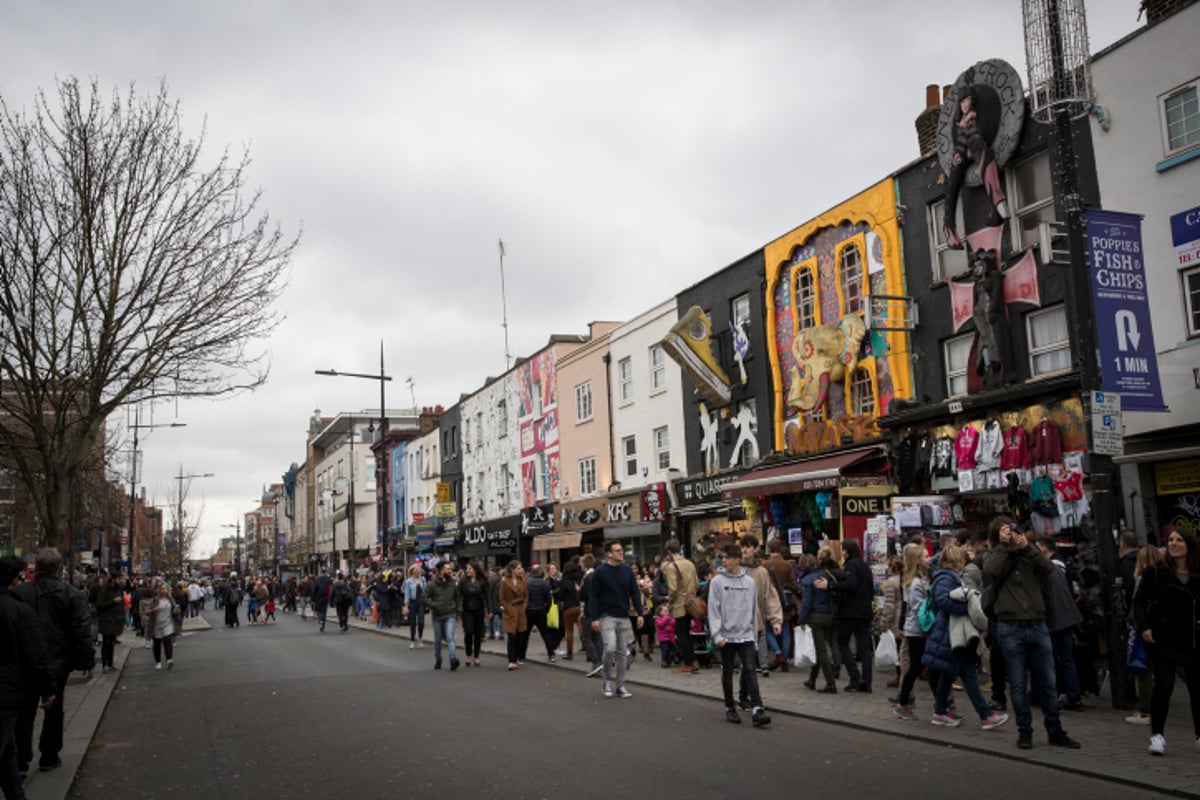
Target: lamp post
x=237, y=553
x=383, y=378
x=126, y=548
x=179, y=532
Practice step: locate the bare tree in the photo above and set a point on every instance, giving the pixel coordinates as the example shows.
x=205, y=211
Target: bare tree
x=129, y=271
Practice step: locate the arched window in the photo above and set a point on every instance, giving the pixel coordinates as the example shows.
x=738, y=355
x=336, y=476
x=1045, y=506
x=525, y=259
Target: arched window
x=806, y=299
x=852, y=280
x=862, y=392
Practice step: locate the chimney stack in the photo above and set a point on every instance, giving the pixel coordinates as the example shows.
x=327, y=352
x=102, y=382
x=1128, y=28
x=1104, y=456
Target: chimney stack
x=927, y=120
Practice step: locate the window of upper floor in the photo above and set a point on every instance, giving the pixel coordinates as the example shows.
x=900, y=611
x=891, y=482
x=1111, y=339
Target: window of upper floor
x=587, y=476
x=629, y=453
x=1180, y=118
x=1049, y=342
x=862, y=391
x=956, y=353
x=1191, y=298
x=947, y=262
x=658, y=368
x=662, y=448
x=625, y=379
x=583, y=402
x=805, y=288
x=739, y=312
x=850, y=273
x=502, y=417
x=1030, y=197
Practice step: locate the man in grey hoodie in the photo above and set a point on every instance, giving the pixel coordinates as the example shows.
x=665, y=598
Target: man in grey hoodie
x=733, y=627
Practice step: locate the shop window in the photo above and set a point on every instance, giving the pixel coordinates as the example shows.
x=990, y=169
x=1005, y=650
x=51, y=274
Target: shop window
x=1181, y=119
x=1191, y=294
x=957, y=354
x=1049, y=345
x=1030, y=198
x=947, y=262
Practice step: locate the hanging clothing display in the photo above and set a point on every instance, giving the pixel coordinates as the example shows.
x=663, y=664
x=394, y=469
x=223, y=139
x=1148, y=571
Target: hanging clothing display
x=1016, y=449
x=964, y=447
x=990, y=447
x=1047, y=444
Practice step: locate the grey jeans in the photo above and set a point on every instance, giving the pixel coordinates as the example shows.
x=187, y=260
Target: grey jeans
x=617, y=633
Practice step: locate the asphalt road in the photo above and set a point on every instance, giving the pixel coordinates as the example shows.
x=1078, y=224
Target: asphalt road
x=282, y=711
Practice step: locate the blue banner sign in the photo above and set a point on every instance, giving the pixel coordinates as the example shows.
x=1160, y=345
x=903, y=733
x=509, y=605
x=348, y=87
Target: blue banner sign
x=1128, y=358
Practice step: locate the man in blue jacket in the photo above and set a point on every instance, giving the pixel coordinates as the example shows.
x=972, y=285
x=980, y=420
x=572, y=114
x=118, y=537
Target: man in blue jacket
x=612, y=592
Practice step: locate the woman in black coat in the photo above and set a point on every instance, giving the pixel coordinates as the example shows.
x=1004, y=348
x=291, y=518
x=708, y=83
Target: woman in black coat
x=476, y=605
x=1166, y=610
x=110, y=618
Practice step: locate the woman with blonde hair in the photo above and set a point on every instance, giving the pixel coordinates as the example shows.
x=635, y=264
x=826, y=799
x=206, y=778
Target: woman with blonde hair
x=951, y=599
x=414, y=606
x=1147, y=556
x=514, y=597
x=914, y=580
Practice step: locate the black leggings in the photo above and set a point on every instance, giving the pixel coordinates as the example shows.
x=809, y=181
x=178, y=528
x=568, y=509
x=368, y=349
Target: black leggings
x=106, y=650
x=472, y=625
x=1164, y=685
x=162, y=646
x=916, y=651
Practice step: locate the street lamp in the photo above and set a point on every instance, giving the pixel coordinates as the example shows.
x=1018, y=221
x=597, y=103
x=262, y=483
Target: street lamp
x=383, y=378
x=136, y=426
x=237, y=553
x=179, y=532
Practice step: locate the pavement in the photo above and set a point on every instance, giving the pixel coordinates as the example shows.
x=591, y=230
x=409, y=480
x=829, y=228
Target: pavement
x=1112, y=750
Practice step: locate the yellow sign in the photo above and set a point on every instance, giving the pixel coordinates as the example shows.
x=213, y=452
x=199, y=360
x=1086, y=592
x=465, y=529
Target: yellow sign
x=443, y=493
x=1177, y=477
x=444, y=510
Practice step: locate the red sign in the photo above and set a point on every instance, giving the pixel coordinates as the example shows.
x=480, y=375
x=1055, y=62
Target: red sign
x=418, y=517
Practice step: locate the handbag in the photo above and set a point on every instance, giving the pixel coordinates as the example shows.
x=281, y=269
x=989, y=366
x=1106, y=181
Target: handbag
x=806, y=647
x=552, y=616
x=886, y=654
x=1136, y=657
x=696, y=608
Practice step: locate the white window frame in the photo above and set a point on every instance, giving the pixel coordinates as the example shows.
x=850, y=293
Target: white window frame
x=946, y=261
x=583, y=402
x=1191, y=299
x=1047, y=348
x=625, y=379
x=1039, y=209
x=502, y=417
x=739, y=311
x=658, y=368
x=587, y=476
x=662, y=447
x=957, y=375
x=629, y=455
x=1193, y=132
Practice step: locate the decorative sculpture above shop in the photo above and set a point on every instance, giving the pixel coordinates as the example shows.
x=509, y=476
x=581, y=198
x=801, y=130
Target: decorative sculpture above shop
x=689, y=342
x=824, y=353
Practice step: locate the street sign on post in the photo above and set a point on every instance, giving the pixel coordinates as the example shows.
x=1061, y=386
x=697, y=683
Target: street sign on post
x=1108, y=432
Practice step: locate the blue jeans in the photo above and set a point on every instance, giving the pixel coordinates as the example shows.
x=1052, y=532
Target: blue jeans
x=968, y=673
x=444, y=629
x=1064, y=663
x=1028, y=647
x=781, y=643
x=496, y=627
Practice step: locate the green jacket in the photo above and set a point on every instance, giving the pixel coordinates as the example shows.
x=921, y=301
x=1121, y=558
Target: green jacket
x=442, y=598
x=1020, y=597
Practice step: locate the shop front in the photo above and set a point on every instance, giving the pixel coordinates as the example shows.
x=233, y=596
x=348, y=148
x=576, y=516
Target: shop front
x=799, y=500
x=701, y=515
x=536, y=521
x=637, y=520
x=579, y=529
x=492, y=543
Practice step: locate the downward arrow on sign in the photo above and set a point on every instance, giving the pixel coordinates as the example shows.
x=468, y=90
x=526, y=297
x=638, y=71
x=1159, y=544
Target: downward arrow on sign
x=1127, y=331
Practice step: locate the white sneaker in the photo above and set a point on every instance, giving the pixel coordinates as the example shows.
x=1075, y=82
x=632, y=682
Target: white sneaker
x=1158, y=744
x=1138, y=718
x=412, y=645
x=421, y=645
x=158, y=665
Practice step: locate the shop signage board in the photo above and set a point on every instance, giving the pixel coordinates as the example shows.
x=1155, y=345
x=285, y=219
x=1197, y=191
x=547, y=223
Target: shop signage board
x=1108, y=432
x=446, y=509
x=443, y=492
x=1185, y=236
x=1128, y=358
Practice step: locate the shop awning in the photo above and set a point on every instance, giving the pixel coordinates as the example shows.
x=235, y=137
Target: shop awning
x=703, y=510
x=809, y=475
x=556, y=541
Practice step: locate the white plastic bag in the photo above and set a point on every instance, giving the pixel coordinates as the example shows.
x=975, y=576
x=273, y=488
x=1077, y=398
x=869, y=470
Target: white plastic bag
x=886, y=655
x=806, y=648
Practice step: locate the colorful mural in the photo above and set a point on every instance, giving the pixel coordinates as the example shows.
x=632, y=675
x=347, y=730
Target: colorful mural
x=537, y=422
x=833, y=376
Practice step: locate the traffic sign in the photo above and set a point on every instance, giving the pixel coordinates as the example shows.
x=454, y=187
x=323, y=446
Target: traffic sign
x=1108, y=430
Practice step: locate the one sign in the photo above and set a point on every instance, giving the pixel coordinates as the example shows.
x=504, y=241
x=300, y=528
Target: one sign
x=446, y=509
x=1185, y=236
x=443, y=492
x=1128, y=358
x=1108, y=432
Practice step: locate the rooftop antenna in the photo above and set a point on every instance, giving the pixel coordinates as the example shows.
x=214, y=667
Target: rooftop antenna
x=412, y=391
x=504, y=308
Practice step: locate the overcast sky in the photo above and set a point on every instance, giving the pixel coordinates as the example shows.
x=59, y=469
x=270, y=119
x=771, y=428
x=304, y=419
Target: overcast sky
x=622, y=150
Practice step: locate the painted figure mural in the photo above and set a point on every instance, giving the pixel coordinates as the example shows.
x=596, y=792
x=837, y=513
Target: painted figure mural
x=538, y=425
